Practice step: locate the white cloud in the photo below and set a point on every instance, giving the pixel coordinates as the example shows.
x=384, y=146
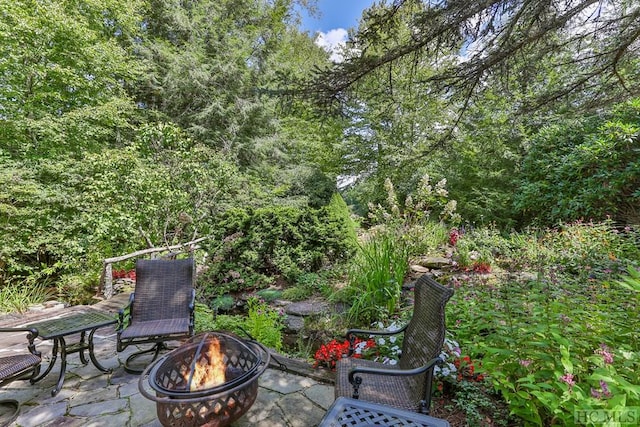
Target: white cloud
x=333, y=42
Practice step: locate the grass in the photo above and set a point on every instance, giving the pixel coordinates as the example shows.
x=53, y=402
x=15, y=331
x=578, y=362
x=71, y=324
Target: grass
x=18, y=297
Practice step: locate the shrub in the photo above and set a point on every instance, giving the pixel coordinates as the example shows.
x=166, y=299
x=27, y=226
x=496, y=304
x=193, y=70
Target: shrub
x=589, y=169
x=254, y=244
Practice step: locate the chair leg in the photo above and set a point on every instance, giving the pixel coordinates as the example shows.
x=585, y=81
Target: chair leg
x=12, y=415
x=157, y=348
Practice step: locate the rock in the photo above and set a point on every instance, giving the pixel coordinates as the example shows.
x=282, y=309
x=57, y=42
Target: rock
x=433, y=262
x=307, y=308
x=418, y=269
x=523, y=276
x=294, y=323
x=53, y=305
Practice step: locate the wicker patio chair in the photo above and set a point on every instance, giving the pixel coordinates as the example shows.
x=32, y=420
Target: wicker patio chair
x=20, y=366
x=408, y=384
x=161, y=308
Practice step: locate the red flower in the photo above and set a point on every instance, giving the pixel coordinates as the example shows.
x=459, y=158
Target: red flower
x=329, y=354
x=467, y=370
x=454, y=235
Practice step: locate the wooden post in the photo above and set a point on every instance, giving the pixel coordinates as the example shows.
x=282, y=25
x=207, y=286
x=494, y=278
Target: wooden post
x=108, y=280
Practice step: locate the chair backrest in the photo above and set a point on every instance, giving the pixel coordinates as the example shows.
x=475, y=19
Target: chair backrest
x=163, y=289
x=424, y=336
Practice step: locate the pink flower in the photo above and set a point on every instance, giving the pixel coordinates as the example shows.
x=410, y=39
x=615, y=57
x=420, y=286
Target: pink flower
x=568, y=378
x=525, y=362
x=606, y=354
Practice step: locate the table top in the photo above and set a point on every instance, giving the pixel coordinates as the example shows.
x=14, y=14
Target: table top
x=346, y=411
x=78, y=322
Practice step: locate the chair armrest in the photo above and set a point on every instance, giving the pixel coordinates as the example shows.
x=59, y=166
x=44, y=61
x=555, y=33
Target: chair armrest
x=31, y=336
x=353, y=379
x=124, y=314
x=353, y=333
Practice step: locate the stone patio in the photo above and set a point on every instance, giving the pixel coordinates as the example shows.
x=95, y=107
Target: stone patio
x=297, y=397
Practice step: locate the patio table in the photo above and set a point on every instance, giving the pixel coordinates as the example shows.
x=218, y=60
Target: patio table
x=346, y=411
x=57, y=329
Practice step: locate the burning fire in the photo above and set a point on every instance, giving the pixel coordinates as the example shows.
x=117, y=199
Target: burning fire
x=209, y=371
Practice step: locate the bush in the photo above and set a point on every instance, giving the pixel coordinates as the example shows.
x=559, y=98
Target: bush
x=585, y=170
x=252, y=245
x=62, y=217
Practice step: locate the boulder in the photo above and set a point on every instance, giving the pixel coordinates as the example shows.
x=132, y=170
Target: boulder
x=433, y=262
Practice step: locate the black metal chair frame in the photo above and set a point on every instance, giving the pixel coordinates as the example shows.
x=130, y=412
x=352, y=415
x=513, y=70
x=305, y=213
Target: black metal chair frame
x=429, y=295
x=164, y=286
x=23, y=366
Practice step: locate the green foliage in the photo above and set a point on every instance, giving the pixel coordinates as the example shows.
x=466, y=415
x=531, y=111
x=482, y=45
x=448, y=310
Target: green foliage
x=269, y=295
x=19, y=296
x=584, y=170
x=306, y=285
x=206, y=60
x=254, y=244
x=65, y=69
x=545, y=340
x=223, y=302
x=206, y=320
x=482, y=161
x=376, y=277
x=264, y=323
x=64, y=216
x=296, y=293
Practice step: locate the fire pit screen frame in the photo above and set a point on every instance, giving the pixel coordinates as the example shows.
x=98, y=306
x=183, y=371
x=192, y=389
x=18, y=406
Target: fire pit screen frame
x=220, y=405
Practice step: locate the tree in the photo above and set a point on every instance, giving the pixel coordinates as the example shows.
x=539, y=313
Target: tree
x=584, y=169
x=207, y=58
x=64, y=68
x=591, y=45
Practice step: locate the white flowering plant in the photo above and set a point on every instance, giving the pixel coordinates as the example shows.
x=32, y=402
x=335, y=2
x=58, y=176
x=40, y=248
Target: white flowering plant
x=450, y=353
x=388, y=348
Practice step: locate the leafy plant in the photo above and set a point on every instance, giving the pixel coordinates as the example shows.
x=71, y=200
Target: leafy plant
x=269, y=295
x=223, y=302
x=18, y=297
x=376, y=278
x=207, y=320
x=264, y=323
x=296, y=293
x=565, y=360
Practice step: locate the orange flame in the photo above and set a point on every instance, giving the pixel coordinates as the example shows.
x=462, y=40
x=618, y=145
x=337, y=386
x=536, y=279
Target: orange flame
x=209, y=371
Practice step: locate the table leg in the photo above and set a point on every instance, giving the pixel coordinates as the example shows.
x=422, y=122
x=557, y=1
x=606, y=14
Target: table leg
x=63, y=366
x=54, y=355
x=82, y=346
x=92, y=356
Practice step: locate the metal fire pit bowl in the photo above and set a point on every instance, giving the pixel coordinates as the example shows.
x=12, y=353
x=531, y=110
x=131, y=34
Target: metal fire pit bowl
x=216, y=406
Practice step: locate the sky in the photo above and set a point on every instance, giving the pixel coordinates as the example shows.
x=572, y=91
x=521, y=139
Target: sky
x=336, y=16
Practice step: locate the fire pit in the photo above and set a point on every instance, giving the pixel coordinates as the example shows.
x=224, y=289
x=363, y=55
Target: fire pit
x=212, y=380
